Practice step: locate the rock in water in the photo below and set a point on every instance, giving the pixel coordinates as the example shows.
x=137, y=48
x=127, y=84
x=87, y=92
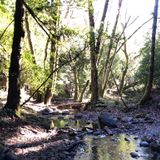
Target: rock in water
x=47, y=111
x=106, y=120
x=155, y=147
x=134, y=155
x=144, y=144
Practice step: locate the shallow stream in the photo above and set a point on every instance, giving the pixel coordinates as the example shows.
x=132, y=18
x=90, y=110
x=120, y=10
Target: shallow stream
x=102, y=147
x=112, y=148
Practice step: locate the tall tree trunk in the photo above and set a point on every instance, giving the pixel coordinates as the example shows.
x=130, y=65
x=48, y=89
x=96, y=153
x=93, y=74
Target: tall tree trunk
x=54, y=52
x=93, y=56
x=148, y=88
x=101, y=27
x=13, y=98
x=105, y=74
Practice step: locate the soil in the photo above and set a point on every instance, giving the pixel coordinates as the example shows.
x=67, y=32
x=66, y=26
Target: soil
x=32, y=137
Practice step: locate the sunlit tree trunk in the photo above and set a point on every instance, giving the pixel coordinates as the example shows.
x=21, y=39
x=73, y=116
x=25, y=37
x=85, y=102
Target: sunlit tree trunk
x=54, y=52
x=13, y=98
x=93, y=56
x=101, y=27
x=104, y=74
x=148, y=88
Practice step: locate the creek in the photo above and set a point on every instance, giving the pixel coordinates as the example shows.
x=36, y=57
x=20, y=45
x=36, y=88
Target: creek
x=105, y=147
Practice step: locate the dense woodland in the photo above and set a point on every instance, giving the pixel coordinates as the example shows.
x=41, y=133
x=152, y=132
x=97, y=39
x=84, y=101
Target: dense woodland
x=61, y=53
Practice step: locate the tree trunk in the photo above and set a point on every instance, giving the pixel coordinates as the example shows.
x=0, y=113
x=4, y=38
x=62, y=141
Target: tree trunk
x=76, y=83
x=13, y=98
x=105, y=73
x=93, y=56
x=29, y=37
x=124, y=71
x=84, y=89
x=101, y=27
x=148, y=88
x=48, y=95
x=54, y=52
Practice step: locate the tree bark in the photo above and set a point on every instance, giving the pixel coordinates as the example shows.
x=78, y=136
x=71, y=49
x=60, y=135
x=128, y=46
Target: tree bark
x=93, y=56
x=101, y=27
x=105, y=74
x=148, y=88
x=54, y=52
x=13, y=98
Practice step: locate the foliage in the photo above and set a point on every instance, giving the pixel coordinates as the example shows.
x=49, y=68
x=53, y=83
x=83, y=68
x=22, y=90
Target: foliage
x=6, y=34
x=143, y=70
x=32, y=74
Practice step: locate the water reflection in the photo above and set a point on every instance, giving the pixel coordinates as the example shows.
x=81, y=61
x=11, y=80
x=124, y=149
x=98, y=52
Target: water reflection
x=112, y=148
x=65, y=122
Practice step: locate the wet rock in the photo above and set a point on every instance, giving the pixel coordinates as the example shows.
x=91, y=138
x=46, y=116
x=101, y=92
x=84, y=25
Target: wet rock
x=134, y=155
x=127, y=119
x=95, y=125
x=101, y=105
x=7, y=154
x=127, y=139
x=47, y=111
x=129, y=126
x=78, y=115
x=77, y=138
x=136, y=138
x=72, y=133
x=60, y=117
x=89, y=130
x=140, y=115
x=115, y=140
x=65, y=112
x=156, y=156
x=106, y=120
x=155, y=146
x=55, y=113
x=108, y=131
x=144, y=144
x=102, y=136
x=97, y=132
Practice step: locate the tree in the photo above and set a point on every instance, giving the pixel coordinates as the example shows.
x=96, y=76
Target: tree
x=149, y=85
x=13, y=98
x=53, y=62
x=93, y=56
x=94, y=44
x=105, y=71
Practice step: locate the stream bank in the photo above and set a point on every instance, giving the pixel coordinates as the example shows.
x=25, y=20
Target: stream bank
x=52, y=133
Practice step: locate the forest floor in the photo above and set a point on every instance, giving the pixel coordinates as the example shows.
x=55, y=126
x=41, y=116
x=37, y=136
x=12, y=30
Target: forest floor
x=56, y=132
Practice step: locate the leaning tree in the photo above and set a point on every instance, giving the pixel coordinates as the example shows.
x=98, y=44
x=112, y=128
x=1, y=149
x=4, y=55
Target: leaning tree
x=13, y=98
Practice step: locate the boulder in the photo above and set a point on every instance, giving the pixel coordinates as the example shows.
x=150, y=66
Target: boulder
x=144, y=144
x=107, y=120
x=155, y=147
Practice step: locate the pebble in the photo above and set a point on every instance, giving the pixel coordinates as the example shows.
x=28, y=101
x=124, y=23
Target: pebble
x=127, y=139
